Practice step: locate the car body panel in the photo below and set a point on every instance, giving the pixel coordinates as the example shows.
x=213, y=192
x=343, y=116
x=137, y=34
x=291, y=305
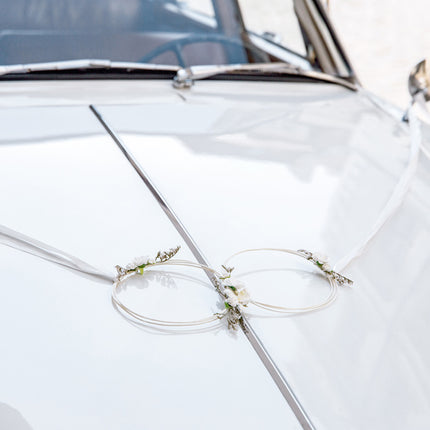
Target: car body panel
x=69, y=359
x=291, y=169
x=247, y=164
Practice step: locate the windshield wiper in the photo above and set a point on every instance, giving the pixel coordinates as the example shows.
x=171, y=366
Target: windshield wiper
x=83, y=64
x=185, y=77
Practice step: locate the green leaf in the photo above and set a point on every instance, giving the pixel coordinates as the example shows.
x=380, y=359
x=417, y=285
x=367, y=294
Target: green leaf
x=227, y=306
x=140, y=269
x=231, y=287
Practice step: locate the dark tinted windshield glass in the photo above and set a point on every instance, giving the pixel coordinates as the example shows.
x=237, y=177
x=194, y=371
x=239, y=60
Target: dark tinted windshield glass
x=168, y=32
x=172, y=32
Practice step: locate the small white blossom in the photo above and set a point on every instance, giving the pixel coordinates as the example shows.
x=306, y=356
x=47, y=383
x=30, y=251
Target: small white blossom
x=244, y=297
x=326, y=267
x=231, y=298
x=321, y=258
x=130, y=266
x=236, y=293
x=139, y=261
x=232, y=282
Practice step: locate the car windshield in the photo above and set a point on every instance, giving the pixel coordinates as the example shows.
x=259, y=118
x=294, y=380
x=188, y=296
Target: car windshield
x=169, y=32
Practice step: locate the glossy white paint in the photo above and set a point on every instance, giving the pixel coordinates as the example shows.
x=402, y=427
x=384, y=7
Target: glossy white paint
x=244, y=165
x=291, y=168
x=66, y=93
x=68, y=359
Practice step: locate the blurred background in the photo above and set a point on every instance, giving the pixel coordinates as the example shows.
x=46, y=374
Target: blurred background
x=383, y=38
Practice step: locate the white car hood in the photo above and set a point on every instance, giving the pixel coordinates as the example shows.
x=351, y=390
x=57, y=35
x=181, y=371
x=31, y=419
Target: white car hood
x=248, y=165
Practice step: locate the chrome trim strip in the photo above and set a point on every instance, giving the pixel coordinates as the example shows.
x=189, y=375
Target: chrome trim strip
x=186, y=77
x=256, y=343
x=337, y=41
x=278, y=377
x=148, y=182
x=81, y=64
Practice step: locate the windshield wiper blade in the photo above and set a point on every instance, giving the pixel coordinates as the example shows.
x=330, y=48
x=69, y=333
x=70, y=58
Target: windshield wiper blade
x=83, y=64
x=185, y=77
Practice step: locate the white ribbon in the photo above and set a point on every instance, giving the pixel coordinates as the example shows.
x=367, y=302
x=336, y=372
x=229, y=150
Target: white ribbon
x=397, y=196
x=32, y=246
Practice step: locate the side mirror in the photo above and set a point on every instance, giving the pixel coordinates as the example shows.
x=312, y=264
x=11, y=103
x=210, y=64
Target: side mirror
x=419, y=89
x=419, y=80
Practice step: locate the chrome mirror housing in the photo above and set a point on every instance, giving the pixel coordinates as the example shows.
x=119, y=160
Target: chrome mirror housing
x=419, y=80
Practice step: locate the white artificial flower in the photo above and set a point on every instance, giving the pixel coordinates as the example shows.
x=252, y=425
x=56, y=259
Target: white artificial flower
x=231, y=298
x=326, y=267
x=130, y=266
x=232, y=282
x=139, y=261
x=244, y=297
x=321, y=258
